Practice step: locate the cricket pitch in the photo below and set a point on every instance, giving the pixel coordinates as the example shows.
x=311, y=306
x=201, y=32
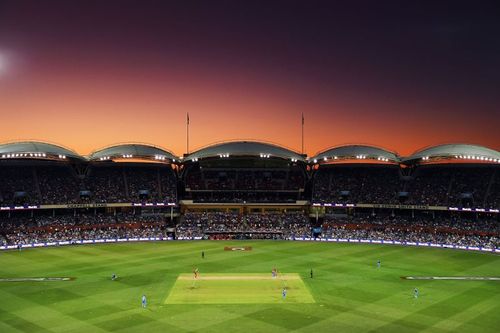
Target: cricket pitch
x=238, y=289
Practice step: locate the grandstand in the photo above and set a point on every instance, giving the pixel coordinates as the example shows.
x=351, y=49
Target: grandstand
x=457, y=176
x=249, y=189
x=356, y=174
x=244, y=172
x=37, y=173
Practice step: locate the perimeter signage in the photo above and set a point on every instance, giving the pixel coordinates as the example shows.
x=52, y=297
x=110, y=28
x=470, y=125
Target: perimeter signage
x=418, y=207
x=89, y=205
x=422, y=207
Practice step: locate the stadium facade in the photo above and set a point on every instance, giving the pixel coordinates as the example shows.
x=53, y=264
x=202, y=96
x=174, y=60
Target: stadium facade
x=249, y=189
x=245, y=173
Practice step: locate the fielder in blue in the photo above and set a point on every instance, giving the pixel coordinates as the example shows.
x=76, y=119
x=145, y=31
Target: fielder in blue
x=144, y=301
x=283, y=293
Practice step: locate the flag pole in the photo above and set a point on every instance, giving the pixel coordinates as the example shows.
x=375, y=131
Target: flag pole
x=187, y=133
x=302, y=151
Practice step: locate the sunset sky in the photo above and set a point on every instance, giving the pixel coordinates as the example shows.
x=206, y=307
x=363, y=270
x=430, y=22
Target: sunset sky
x=397, y=74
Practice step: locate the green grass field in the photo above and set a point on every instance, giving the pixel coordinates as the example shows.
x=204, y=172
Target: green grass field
x=347, y=294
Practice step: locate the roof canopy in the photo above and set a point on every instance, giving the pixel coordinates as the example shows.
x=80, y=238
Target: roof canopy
x=474, y=153
x=36, y=150
x=355, y=152
x=133, y=151
x=245, y=148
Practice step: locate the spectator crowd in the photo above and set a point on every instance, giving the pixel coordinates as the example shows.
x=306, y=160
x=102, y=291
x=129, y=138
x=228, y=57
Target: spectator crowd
x=61, y=185
x=223, y=225
x=483, y=232
x=15, y=231
x=452, y=230
x=433, y=185
x=245, y=184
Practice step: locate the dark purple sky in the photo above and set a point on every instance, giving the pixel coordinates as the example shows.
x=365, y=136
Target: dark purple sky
x=398, y=74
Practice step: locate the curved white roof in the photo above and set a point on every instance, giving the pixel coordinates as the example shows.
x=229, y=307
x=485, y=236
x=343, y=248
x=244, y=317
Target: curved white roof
x=356, y=152
x=244, y=148
x=33, y=149
x=457, y=150
x=133, y=150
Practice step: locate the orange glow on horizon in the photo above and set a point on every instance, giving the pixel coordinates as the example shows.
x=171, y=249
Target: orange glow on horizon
x=86, y=109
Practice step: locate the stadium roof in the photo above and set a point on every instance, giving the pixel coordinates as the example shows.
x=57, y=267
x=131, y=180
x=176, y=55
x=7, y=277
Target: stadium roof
x=355, y=152
x=133, y=151
x=36, y=150
x=245, y=148
x=457, y=151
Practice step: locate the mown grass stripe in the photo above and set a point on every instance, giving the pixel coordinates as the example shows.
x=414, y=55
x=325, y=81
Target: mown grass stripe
x=351, y=294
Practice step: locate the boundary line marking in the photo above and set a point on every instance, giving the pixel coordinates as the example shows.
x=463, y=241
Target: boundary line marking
x=37, y=279
x=461, y=278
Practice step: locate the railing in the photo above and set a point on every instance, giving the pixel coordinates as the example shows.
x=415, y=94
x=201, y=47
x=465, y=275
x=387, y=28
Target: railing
x=391, y=242
x=337, y=240
x=85, y=241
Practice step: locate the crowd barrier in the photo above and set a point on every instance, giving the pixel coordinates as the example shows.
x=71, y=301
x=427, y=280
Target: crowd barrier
x=86, y=241
x=370, y=241
x=337, y=240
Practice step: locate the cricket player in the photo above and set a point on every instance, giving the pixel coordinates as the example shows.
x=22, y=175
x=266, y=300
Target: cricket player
x=283, y=293
x=196, y=273
x=378, y=263
x=113, y=277
x=144, y=301
x=415, y=293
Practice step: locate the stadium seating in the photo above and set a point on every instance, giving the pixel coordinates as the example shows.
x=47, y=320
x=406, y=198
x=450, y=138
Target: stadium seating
x=436, y=185
x=464, y=186
x=357, y=184
x=220, y=225
x=245, y=184
x=60, y=184
x=41, y=229
x=456, y=188
x=484, y=232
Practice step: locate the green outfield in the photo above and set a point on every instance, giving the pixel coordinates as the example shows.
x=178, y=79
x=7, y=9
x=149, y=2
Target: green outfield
x=239, y=289
x=236, y=294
